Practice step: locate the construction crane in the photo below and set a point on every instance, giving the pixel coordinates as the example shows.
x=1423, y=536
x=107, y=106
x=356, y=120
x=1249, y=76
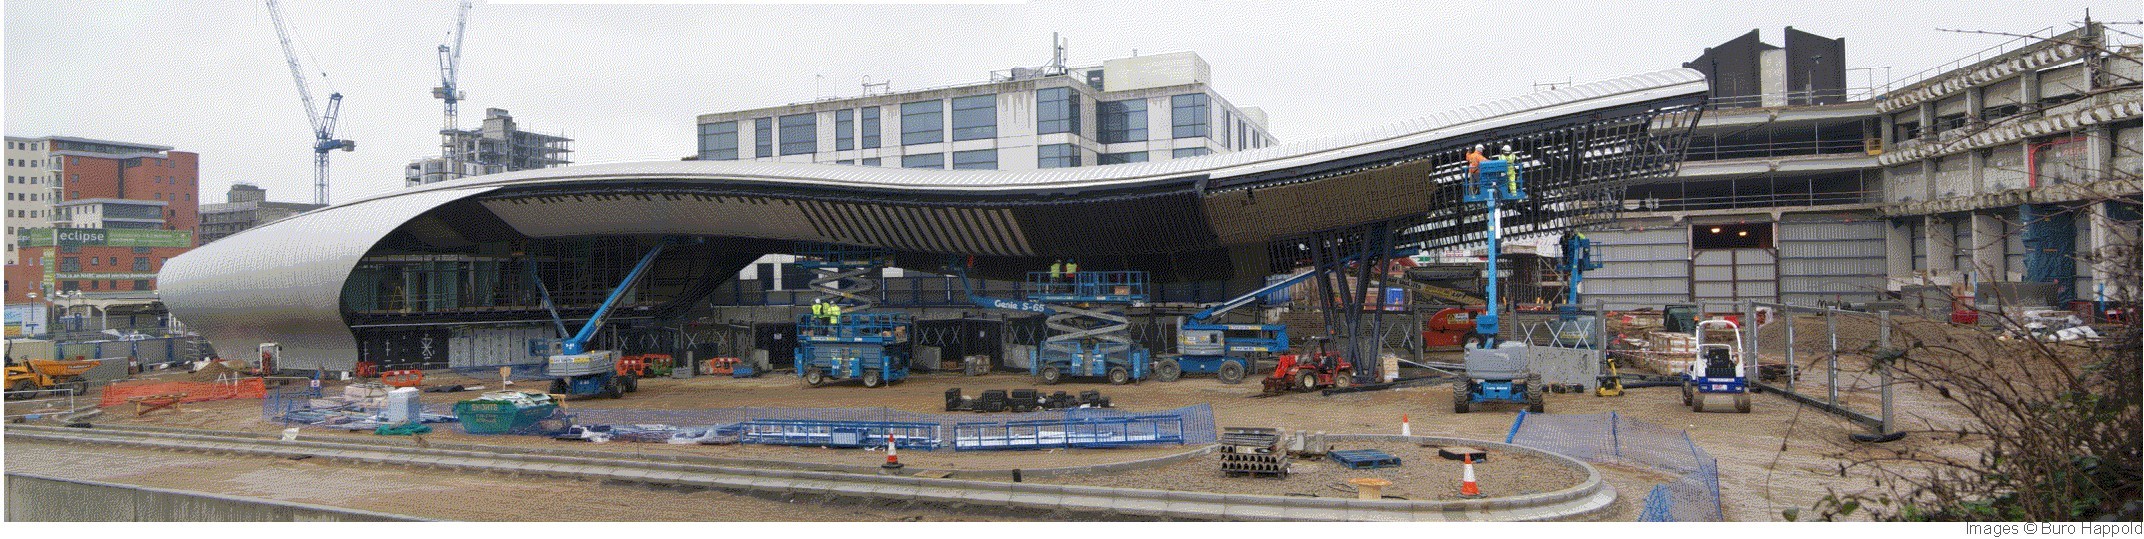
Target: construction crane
x=323, y=124
x=450, y=61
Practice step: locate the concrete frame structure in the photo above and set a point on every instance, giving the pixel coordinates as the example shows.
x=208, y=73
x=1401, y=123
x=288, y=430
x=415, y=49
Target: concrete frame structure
x=1864, y=202
x=1238, y=216
x=500, y=145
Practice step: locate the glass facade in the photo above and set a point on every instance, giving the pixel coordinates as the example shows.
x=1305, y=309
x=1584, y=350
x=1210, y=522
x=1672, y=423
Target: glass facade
x=927, y=160
x=1122, y=121
x=1189, y=152
x=1056, y=156
x=844, y=129
x=870, y=126
x=975, y=117
x=800, y=134
x=763, y=137
x=1120, y=158
x=1188, y=116
x=718, y=141
x=975, y=160
x=1056, y=111
x=922, y=122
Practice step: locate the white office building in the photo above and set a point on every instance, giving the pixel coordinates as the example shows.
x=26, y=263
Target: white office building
x=1128, y=110
x=30, y=187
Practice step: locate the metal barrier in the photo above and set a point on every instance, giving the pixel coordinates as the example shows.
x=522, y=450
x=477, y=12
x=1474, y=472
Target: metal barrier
x=846, y=434
x=1069, y=432
x=30, y=407
x=1694, y=496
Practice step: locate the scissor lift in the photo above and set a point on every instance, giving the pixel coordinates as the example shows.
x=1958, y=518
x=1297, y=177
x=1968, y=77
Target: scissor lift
x=842, y=273
x=1089, y=334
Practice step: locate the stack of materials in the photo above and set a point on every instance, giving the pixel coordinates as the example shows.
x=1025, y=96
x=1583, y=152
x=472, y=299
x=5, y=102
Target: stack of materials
x=1252, y=451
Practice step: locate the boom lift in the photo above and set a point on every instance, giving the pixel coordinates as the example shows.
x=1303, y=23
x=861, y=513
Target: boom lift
x=1495, y=372
x=578, y=371
x=1204, y=347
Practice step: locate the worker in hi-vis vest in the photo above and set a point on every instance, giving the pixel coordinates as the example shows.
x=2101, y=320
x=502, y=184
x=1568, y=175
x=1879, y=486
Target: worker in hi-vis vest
x=1474, y=159
x=1511, y=172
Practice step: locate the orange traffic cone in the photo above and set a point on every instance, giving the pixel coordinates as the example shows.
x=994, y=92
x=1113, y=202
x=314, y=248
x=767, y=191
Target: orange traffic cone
x=893, y=459
x=1405, y=428
x=1467, y=488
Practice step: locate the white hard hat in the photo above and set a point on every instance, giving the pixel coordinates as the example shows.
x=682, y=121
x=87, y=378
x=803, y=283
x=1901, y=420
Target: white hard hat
x=1478, y=147
x=1507, y=148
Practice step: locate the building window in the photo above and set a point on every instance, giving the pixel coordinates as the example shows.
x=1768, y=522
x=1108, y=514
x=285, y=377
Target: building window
x=70, y=286
x=870, y=126
x=1122, y=121
x=1189, y=152
x=70, y=248
x=1056, y=156
x=844, y=161
x=1188, y=116
x=975, y=160
x=93, y=284
x=800, y=134
x=718, y=141
x=141, y=250
x=1121, y=158
x=871, y=161
x=845, y=129
x=71, y=264
x=975, y=118
x=763, y=137
x=925, y=160
x=922, y=122
x=115, y=262
x=1242, y=135
x=141, y=285
x=141, y=264
x=1056, y=111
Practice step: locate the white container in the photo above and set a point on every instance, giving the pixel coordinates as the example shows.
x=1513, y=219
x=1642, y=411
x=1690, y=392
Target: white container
x=403, y=405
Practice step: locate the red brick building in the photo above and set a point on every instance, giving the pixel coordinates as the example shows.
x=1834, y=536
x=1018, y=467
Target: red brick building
x=120, y=211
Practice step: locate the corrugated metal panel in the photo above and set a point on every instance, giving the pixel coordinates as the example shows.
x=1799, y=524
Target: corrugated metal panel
x=490, y=346
x=1832, y=260
x=1727, y=275
x=1640, y=268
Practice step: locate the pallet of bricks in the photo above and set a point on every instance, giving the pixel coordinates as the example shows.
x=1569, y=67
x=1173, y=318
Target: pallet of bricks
x=1251, y=451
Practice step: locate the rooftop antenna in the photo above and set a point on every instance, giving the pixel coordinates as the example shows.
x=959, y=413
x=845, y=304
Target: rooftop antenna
x=883, y=86
x=1057, y=56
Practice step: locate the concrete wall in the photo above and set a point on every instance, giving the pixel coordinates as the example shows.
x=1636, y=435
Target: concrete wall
x=32, y=498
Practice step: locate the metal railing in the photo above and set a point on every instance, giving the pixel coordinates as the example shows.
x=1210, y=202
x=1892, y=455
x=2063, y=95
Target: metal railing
x=1772, y=200
x=1979, y=56
x=30, y=408
x=1795, y=98
x=1700, y=151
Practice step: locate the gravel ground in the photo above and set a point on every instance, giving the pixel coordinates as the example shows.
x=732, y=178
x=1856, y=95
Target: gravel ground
x=1778, y=456
x=442, y=495
x=1422, y=475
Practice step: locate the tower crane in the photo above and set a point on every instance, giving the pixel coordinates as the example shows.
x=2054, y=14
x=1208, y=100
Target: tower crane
x=323, y=124
x=450, y=61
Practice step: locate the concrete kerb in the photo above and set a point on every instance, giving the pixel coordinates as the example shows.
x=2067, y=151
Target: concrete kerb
x=1146, y=502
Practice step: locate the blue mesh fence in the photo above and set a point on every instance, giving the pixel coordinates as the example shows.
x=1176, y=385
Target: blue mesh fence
x=1694, y=496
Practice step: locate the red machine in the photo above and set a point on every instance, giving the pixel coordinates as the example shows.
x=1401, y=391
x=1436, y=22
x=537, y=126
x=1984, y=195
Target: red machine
x=1452, y=327
x=1310, y=372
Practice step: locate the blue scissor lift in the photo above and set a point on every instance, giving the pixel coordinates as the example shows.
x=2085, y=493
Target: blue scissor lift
x=871, y=348
x=1088, y=329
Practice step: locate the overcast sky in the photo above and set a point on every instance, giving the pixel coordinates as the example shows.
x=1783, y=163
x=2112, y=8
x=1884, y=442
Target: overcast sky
x=625, y=81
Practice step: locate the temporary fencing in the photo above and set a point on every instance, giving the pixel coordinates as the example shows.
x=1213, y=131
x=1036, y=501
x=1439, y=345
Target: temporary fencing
x=243, y=388
x=1694, y=496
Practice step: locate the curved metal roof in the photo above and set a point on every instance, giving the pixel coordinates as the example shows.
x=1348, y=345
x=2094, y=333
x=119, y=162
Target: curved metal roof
x=282, y=281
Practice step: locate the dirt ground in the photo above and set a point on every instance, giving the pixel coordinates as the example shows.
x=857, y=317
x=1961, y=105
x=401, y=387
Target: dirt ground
x=1778, y=456
x=1422, y=475
x=441, y=495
